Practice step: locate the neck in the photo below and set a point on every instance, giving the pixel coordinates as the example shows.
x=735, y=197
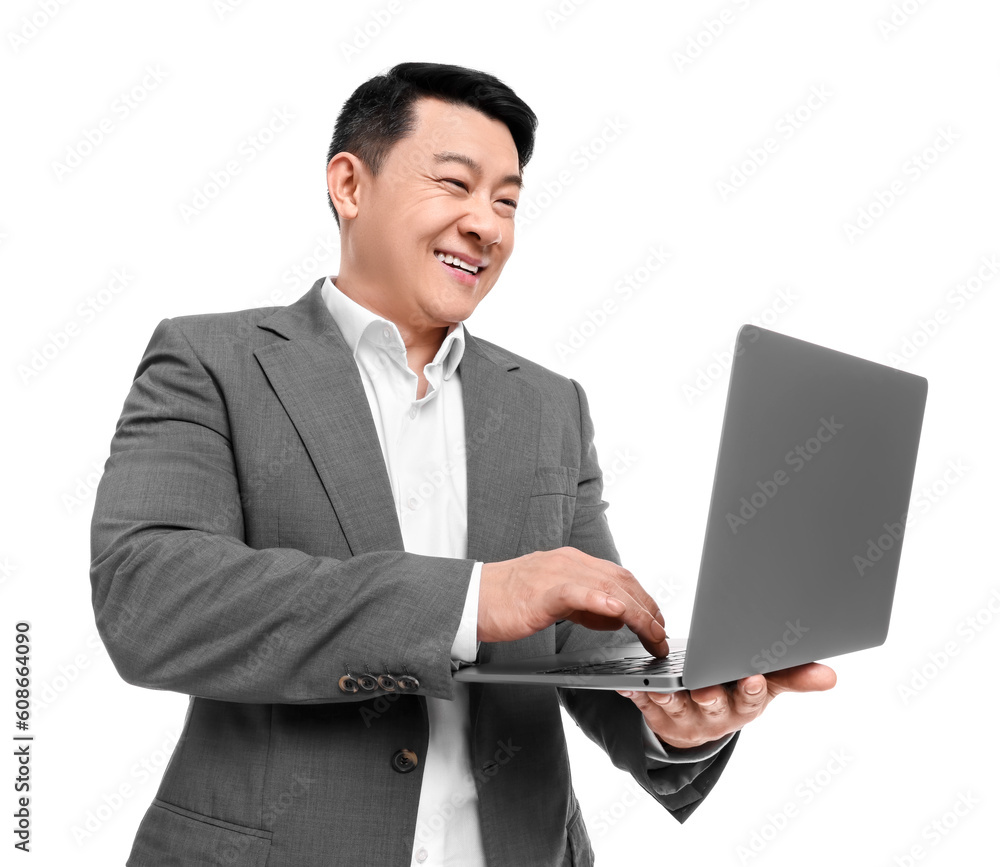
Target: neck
x=421, y=344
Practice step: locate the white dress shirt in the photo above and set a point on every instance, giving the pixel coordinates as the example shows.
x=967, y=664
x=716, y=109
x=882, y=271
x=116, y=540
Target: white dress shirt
x=423, y=444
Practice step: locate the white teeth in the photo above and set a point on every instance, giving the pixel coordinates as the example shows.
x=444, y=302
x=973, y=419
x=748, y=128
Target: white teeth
x=448, y=259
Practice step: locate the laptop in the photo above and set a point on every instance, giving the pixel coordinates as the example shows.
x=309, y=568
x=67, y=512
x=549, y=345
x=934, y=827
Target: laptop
x=805, y=526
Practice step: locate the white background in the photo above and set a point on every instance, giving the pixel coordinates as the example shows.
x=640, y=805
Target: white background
x=644, y=110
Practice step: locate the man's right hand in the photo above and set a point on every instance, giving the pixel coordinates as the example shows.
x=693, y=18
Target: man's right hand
x=520, y=597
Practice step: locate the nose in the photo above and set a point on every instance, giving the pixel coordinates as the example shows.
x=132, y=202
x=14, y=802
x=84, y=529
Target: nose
x=481, y=221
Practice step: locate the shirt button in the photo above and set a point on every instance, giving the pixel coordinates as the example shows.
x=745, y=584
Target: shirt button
x=386, y=333
x=412, y=503
x=413, y=412
x=421, y=855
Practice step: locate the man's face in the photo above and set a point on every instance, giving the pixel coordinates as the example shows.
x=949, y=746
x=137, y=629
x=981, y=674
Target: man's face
x=449, y=188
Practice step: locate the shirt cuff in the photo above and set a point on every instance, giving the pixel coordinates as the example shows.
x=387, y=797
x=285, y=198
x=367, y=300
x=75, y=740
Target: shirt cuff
x=465, y=647
x=658, y=751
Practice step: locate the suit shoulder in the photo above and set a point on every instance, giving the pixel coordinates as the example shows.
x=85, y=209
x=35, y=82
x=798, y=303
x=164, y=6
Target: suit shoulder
x=234, y=322
x=541, y=377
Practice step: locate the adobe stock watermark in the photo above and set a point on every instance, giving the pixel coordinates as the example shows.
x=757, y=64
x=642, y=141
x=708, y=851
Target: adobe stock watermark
x=969, y=628
x=48, y=691
x=785, y=128
x=938, y=829
x=707, y=35
x=224, y=8
x=804, y=793
x=300, y=275
x=615, y=469
x=83, y=488
x=722, y=360
x=581, y=158
x=891, y=532
x=59, y=339
x=225, y=518
x=260, y=653
x=622, y=291
x=955, y=300
x=233, y=848
x=7, y=569
x=559, y=13
x=665, y=591
x=439, y=819
x=246, y=152
x=377, y=22
x=30, y=26
x=433, y=480
x=797, y=458
x=770, y=658
x=898, y=16
x=600, y=824
x=111, y=803
x=97, y=132
x=913, y=168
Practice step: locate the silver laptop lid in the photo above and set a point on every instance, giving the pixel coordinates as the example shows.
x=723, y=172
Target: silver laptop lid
x=808, y=507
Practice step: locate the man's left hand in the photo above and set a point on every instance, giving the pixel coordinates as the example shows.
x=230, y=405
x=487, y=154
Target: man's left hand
x=683, y=720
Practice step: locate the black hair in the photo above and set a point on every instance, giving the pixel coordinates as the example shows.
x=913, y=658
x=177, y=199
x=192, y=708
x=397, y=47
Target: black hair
x=380, y=112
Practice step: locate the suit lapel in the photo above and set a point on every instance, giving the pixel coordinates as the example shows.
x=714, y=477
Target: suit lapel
x=502, y=417
x=316, y=379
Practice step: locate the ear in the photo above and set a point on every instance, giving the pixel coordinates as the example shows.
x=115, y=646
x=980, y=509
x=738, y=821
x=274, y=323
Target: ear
x=345, y=174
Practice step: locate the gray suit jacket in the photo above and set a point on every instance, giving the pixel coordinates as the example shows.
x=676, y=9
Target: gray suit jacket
x=246, y=552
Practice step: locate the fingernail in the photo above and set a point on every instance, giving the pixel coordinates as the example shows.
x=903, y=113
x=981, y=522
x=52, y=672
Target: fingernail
x=754, y=688
x=659, y=633
x=625, y=693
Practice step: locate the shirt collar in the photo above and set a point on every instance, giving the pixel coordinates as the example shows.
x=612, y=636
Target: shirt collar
x=356, y=323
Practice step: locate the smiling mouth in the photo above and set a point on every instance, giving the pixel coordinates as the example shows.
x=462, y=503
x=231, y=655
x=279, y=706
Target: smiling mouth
x=457, y=263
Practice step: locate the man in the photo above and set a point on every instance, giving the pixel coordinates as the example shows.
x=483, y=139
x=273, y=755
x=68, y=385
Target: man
x=313, y=515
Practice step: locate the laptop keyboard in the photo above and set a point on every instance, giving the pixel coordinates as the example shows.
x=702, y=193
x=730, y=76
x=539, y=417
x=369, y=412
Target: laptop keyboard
x=672, y=663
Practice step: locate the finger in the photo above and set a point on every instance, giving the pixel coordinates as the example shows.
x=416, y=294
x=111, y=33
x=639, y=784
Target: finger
x=674, y=704
x=630, y=585
x=750, y=695
x=811, y=677
x=645, y=623
x=605, y=570
x=595, y=621
x=621, y=584
x=711, y=700
x=564, y=600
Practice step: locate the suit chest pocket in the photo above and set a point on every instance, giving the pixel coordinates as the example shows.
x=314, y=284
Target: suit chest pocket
x=551, y=506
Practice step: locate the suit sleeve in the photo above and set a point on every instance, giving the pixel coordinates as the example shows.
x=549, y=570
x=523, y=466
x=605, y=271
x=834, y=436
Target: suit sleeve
x=182, y=603
x=612, y=721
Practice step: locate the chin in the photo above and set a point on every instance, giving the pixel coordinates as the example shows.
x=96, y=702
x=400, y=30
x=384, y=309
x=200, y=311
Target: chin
x=450, y=317
x=458, y=311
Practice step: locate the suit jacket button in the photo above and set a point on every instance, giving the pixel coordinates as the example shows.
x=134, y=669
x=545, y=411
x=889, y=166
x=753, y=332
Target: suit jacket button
x=406, y=683
x=387, y=682
x=347, y=684
x=367, y=682
x=404, y=761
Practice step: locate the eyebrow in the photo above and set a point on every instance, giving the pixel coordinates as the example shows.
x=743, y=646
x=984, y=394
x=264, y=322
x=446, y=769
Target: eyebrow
x=452, y=157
